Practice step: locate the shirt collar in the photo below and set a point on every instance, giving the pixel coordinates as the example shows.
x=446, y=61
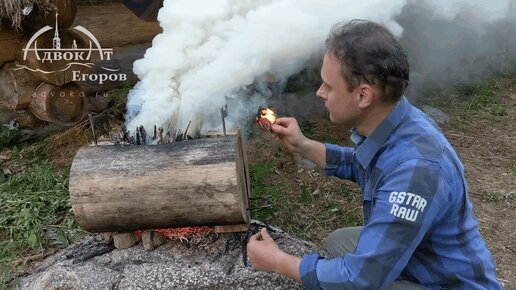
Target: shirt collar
x=367, y=147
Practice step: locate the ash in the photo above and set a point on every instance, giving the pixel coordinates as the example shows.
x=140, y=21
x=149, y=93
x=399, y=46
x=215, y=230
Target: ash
x=215, y=262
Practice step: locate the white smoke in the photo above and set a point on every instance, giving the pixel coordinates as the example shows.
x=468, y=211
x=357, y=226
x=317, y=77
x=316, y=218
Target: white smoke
x=211, y=49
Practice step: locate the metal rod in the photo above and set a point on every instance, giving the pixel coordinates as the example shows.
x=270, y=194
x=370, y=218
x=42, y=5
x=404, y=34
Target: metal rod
x=223, y=115
x=186, y=131
x=92, y=125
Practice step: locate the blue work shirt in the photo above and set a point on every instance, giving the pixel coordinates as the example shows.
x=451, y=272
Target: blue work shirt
x=418, y=220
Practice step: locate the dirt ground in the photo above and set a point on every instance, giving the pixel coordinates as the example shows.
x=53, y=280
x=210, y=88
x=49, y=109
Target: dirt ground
x=487, y=146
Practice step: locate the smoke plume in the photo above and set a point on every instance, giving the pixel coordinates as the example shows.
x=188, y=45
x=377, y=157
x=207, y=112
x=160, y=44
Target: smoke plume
x=450, y=42
x=211, y=51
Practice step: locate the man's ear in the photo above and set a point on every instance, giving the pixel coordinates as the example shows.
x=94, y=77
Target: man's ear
x=366, y=97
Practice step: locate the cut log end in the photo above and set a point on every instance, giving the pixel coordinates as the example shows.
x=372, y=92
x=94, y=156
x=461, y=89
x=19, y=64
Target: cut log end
x=16, y=87
x=64, y=106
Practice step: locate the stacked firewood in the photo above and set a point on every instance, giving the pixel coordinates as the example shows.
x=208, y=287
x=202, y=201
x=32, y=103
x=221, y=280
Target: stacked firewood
x=38, y=93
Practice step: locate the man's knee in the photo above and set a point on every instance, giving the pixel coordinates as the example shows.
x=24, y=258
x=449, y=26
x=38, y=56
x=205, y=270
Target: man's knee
x=342, y=241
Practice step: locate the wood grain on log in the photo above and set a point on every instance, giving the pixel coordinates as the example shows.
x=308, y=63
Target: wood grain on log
x=114, y=25
x=9, y=45
x=16, y=87
x=63, y=106
x=189, y=183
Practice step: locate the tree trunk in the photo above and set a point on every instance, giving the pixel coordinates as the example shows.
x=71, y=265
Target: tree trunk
x=55, y=71
x=63, y=106
x=122, y=60
x=114, y=25
x=199, y=182
x=9, y=45
x=38, y=18
x=16, y=87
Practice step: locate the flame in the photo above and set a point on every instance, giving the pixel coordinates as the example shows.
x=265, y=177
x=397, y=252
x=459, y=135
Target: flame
x=268, y=114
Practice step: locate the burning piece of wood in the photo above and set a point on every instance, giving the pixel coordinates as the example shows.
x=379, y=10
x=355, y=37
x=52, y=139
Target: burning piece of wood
x=265, y=118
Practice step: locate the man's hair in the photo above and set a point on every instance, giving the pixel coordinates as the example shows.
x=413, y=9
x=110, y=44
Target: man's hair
x=369, y=53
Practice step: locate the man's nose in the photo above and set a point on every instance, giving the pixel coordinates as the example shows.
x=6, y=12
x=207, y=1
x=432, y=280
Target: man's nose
x=320, y=93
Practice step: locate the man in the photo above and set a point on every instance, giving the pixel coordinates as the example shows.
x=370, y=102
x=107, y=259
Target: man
x=419, y=229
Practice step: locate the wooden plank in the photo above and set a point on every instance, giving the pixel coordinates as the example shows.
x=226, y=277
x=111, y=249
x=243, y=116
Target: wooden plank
x=231, y=228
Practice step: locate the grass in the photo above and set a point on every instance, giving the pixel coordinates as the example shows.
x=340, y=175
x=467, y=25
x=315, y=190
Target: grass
x=475, y=96
x=8, y=135
x=119, y=95
x=35, y=212
x=260, y=186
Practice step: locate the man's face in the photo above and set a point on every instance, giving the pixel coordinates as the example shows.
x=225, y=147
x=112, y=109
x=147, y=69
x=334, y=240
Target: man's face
x=341, y=104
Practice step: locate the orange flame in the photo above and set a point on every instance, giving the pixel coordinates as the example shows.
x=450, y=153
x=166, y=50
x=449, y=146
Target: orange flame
x=268, y=114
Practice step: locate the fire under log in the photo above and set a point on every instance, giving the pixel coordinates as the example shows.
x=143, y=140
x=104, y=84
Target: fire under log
x=200, y=182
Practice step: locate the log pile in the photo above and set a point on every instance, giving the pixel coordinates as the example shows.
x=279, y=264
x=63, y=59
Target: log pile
x=48, y=90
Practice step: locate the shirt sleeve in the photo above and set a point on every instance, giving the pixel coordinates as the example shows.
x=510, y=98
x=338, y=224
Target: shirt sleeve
x=404, y=207
x=339, y=162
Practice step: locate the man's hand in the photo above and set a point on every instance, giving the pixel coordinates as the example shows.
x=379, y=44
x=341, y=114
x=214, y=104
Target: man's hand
x=263, y=251
x=265, y=255
x=288, y=132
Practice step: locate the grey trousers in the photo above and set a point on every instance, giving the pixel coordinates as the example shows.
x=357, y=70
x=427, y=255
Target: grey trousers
x=345, y=240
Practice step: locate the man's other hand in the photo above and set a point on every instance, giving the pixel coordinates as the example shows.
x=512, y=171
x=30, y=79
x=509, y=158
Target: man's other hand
x=265, y=255
x=263, y=251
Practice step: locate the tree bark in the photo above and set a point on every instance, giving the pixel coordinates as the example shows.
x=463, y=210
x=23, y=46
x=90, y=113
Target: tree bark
x=16, y=87
x=63, y=106
x=199, y=182
x=114, y=25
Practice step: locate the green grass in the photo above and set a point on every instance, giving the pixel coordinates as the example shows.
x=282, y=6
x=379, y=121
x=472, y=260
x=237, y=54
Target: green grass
x=7, y=136
x=481, y=97
x=35, y=210
x=119, y=95
x=262, y=186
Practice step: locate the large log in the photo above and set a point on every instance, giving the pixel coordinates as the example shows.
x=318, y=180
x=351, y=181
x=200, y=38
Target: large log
x=66, y=13
x=114, y=25
x=63, y=106
x=54, y=71
x=16, y=87
x=189, y=183
x=9, y=45
x=122, y=60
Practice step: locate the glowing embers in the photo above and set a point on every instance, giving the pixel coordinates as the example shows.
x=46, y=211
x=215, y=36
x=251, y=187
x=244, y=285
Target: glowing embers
x=265, y=118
